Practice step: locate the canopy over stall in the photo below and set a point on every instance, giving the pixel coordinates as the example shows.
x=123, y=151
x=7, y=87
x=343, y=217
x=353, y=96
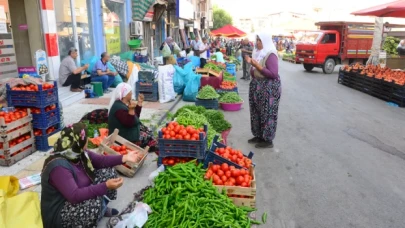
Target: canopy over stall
x=228, y=31
x=392, y=9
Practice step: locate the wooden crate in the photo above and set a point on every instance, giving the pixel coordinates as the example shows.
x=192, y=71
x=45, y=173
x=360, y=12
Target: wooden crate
x=201, y=71
x=214, y=73
x=10, y=156
x=4, y=128
x=115, y=139
x=248, y=192
x=16, y=133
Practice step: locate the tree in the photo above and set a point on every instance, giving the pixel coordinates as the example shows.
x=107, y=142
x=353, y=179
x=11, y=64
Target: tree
x=377, y=39
x=221, y=18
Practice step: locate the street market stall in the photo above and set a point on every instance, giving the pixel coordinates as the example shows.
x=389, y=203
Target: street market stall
x=228, y=31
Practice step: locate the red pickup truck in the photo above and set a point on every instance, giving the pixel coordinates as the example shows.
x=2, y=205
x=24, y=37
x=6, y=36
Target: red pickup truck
x=335, y=43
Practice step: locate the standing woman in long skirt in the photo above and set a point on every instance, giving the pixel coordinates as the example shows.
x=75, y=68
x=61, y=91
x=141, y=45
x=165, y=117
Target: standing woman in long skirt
x=264, y=91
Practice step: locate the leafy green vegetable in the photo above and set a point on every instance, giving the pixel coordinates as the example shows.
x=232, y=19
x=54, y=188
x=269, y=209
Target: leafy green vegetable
x=214, y=67
x=92, y=127
x=217, y=120
x=390, y=45
x=182, y=198
x=230, y=97
x=207, y=92
x=194, y=108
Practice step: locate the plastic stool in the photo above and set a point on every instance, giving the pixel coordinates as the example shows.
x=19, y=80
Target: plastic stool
x=98, y=88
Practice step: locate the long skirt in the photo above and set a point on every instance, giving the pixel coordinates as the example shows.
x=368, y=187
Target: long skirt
x=146, y=138
x=264, y=97
x=89, y=212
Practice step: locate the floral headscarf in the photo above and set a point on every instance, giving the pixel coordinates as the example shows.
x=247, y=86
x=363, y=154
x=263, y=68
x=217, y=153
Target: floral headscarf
x=71, y=145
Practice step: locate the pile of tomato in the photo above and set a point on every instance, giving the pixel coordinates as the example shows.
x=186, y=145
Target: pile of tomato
x=38, y=132
x=47, y=109
x=17, y=140
x=180, y=132
x=228, y=85
x=17, y=152
x=13, y=116
x=235, y=156
x=228, y=175
x=32, y=87
x=17, y=128
x=120, y=149
x=170, y=161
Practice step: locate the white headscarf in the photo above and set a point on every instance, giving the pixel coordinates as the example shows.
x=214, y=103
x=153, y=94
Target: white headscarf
x=268, y=47
x=120, y=92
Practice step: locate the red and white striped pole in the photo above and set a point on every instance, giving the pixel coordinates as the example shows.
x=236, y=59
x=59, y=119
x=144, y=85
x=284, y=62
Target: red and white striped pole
x=51, y=37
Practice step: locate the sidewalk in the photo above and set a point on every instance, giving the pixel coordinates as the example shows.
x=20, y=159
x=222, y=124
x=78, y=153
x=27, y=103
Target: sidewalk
x=152, y=112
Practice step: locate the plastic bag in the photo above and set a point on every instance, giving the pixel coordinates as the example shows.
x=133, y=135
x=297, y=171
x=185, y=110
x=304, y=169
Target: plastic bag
x=166, y=88
x=137, y=218
x=176, y=49
x=195, y=60
x=180, y=77
x=155, y=173
x=166, y=50
x=191, y=90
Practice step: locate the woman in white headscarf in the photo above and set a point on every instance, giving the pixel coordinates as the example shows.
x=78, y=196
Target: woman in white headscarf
x=124, y=114
x=264, y=91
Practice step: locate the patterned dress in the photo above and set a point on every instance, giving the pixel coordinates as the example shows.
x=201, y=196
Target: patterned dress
x=264, y=98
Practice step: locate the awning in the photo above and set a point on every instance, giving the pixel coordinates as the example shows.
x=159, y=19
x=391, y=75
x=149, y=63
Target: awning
x=140, y=8
x=228, y=31
x=392, y=9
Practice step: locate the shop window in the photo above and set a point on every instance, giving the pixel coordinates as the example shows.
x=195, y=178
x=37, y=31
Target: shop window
x=65, y=27
x=114, y=24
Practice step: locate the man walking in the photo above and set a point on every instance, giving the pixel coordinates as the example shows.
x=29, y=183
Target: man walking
x=69, y=73
x=101, y=73
x=196, y=46
x=204, y=47
x=247, y=50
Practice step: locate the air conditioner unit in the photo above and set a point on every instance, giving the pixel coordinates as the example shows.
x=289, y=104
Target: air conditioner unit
x=136, y=28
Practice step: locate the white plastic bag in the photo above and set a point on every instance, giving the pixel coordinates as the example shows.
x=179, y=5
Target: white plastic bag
x=155, y=173
x=166, y=50
x=137, y=218
x=133, y=78
x=166, y=87
x=176, y=49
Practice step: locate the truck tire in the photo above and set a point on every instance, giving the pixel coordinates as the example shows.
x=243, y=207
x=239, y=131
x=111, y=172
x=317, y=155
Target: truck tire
x=308, y=67
x=329, y=66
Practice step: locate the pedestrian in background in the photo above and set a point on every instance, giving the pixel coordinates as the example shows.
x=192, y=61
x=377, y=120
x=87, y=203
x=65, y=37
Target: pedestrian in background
x=264, y=92
x=247, y=49
x=203, y=50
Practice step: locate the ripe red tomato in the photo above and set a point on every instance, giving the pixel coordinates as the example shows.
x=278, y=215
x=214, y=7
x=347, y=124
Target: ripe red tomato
x=225, y=167
x=220, y=173
x=215, y=168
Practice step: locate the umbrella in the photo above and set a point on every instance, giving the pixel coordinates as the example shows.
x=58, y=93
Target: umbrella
x=393, y=9
x=228, y=31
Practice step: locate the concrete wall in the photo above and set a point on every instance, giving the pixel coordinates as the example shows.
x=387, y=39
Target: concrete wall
x=35, y=35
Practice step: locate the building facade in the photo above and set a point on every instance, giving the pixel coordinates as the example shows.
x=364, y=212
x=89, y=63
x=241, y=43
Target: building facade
x=92, y=26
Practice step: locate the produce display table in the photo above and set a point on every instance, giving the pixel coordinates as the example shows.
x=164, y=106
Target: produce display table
x=212, y=80
x=368, y=83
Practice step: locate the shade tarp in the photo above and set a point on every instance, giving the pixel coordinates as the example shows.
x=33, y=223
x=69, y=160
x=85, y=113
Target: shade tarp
x=140, y=8
x=228, y=31
x=392, y=9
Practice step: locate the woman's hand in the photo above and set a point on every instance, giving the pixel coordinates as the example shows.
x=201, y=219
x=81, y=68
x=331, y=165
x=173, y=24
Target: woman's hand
x=115, y=183
x=130, y=157
x=132, y=104
x=141, y=98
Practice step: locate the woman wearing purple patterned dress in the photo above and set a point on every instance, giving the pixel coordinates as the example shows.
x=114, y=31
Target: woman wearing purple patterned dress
x=264, y=91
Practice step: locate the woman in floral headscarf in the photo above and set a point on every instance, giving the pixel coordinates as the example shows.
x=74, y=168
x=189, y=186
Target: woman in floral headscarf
x=77, y=184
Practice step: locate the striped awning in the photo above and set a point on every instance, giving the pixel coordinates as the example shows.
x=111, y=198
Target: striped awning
x=140, y=8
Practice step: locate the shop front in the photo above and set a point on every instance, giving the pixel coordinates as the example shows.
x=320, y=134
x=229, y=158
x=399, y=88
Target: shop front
x=20, y=36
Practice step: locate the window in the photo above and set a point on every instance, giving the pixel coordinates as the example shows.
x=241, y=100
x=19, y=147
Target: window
x=114, y=24
x=329, y=39
x=65, y=27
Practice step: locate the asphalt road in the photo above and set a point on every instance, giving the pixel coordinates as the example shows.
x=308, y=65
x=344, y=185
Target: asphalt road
x=338, y=160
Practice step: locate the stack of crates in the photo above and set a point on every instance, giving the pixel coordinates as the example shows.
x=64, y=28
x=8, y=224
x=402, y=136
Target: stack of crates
x=231, y=68
x=44, y=106
x=149, y=89
x=17, y=138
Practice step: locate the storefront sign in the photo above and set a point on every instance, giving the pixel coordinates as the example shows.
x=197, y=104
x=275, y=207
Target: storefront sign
x=42, y=63
x=23, y=27
x=29, y=70
x=113, y=40
x=185, y=10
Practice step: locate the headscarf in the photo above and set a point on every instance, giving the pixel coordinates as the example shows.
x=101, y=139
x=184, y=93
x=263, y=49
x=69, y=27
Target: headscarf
x=268, y=47
x=169, y=40
x=70, y=146
x=120, y=92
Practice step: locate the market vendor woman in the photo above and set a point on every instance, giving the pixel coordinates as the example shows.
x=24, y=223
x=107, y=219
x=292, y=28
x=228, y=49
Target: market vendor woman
x=124, y=115
x=77, y=184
